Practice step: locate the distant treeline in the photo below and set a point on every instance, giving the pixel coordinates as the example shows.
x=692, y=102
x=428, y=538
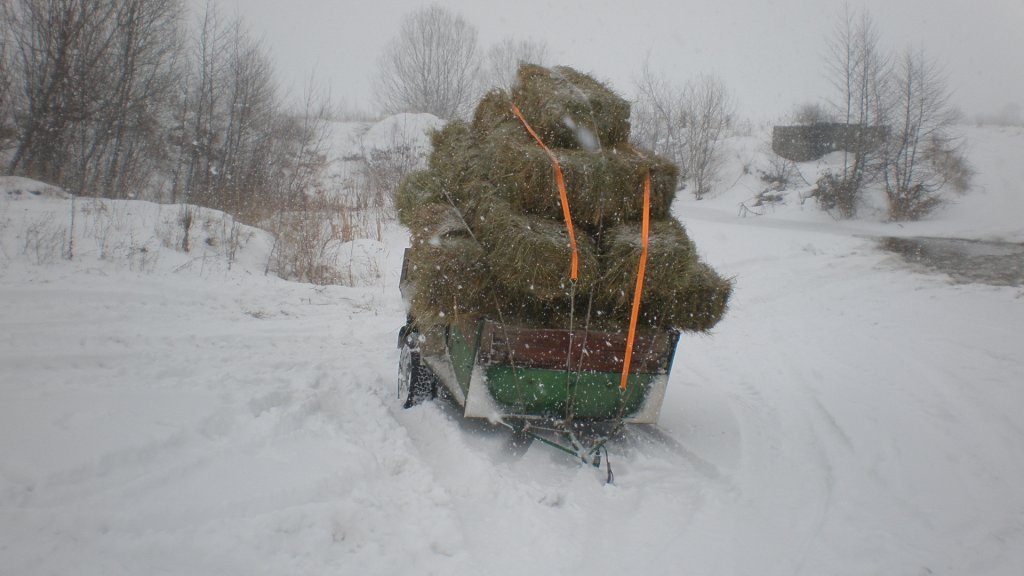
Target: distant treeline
x=140, y=98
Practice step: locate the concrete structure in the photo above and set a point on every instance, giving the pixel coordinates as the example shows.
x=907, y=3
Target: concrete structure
x=803, y=143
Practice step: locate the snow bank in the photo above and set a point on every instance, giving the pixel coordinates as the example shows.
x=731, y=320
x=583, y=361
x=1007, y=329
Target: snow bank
x=15, y=187
x=401, y=133
x=991, y=210
x=43, y=225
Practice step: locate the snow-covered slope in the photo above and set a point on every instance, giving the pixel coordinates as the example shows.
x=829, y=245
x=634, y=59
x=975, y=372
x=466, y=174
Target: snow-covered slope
x=165, y=413
x=992, y=210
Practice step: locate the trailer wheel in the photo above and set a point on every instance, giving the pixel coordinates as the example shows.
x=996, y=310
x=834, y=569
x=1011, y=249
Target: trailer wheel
x=415, y=379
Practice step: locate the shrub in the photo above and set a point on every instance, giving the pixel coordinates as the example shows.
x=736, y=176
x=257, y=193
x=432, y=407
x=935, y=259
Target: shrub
x=835, y=195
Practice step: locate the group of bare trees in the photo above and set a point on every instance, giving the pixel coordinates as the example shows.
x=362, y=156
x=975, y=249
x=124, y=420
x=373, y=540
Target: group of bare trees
x=905, y=98
x=436, y=65
x=76, y=71
x=685, y=123
x=124, y=98
x=236, y=149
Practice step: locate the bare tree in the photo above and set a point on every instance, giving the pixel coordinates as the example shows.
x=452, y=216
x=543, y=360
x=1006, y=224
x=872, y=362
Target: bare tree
x=62, y=70
x=128, y=140
x=6, y=79
x=234, y=110
x=303, y=137
x=708, y=110
x=504, y=58
x=238, y=149
x=304, y=223
x=858, y=71
x=658, y=118
x=921, y=154
x=90, y=80
x=244, y=175
x=116, y=148
x=198, y=102
x=684, y=123
x=433, y=66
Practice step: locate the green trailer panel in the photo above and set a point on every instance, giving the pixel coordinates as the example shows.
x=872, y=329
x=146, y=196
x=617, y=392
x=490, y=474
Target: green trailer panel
x=545, y=392
x=524, y=374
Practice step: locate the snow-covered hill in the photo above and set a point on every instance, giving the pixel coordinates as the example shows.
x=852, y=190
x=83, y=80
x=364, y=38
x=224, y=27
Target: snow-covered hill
x=164, y=412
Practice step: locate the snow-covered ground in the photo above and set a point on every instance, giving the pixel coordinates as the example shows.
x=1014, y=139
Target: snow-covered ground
x=166, y=413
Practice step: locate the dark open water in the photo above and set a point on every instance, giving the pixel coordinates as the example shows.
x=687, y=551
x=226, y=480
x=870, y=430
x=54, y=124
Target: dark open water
x=966, y=261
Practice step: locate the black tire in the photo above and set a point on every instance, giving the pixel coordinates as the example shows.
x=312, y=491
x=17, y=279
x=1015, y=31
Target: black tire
x=414, y=376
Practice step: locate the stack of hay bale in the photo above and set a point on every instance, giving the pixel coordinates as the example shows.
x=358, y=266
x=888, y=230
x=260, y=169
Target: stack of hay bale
x=488, y=233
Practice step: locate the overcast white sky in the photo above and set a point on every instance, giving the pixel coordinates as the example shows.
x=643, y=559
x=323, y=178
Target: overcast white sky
x=768, y=52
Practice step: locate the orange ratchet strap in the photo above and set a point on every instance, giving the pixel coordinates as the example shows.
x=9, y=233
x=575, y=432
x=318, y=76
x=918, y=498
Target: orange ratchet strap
x=645, y=230
x=560, y=181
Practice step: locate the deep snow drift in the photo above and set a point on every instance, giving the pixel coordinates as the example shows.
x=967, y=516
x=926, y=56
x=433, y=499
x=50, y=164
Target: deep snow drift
x=163, y=412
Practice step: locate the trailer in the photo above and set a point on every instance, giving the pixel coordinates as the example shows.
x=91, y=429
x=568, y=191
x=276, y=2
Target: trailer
x=563, y=387
x=549, y=274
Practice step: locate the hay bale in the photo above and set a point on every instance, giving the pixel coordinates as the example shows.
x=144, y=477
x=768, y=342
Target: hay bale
x=431, y=222
x=452, y=158
x=449, y=279
x=450, y=176
x=604, y=187
x=494, y=109
x=670, y=257
x=447, y=271
x=694, y=303
x=696, y=307
x=679, y=291
x=530, y=255
x=569, y=109
x=417, y=189
x=515, y=265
